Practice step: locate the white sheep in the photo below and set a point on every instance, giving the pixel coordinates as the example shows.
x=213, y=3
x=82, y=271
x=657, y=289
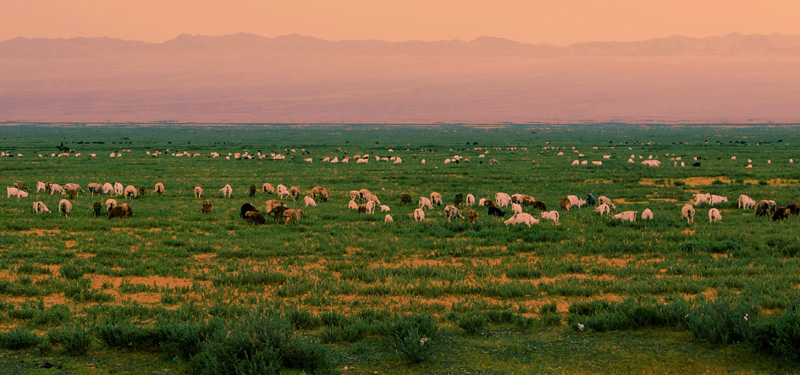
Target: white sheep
x=388, y=219
x=516, y=208
x=687, y=212
x=227, y=190
x=108, y=188
x=198, y=191
x=502, y=199
x=118, y=189
x=19, y=193
x=575, y=201
x=550, y=215
x=701, y=198
x=352, y=205
x=717, y=199
x=110, y=203
x=56, y=188
x=385, y=208
x=370, y=207
x=419, y=215
x=746, y=202
x=436, y=198
x=39, y=207
x=40, y=187
x=626, y=215
x=451, y=211
x=523, y=218
x=64, y=207
x=470, y=200
x=714, y=215
x=425, y=202
x=159, y=189
x=603, y=209
x=309, y=201
x=647, y=214
x=131, y=192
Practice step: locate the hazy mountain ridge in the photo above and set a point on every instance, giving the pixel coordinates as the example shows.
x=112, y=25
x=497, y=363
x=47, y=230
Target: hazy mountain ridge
x=294, y=78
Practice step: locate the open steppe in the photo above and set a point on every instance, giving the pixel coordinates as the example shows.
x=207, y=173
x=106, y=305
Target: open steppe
x=341, y=291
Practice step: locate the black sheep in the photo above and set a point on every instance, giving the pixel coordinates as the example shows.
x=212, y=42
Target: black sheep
x=494, y=211
x=245, y=209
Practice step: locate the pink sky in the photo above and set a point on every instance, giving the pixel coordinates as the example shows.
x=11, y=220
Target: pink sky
x=558, y=22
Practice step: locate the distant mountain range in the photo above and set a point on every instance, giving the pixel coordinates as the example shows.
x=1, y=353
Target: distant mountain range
x=294, y=78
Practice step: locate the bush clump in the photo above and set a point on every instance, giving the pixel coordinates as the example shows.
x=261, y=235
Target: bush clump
x=412, y=336
x=721, y=321
x=472, y=324
x=17, y=338
x=75, y=339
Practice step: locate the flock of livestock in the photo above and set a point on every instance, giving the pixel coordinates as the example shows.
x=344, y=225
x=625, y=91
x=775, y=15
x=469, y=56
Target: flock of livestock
x=364, y=201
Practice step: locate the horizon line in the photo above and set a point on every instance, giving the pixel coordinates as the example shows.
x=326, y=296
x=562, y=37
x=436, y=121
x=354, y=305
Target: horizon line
x=183, y=35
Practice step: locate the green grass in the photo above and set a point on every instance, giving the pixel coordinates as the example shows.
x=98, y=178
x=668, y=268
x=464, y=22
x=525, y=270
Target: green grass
x=152, y=283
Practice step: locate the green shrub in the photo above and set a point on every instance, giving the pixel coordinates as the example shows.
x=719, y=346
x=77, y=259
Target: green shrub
x=721, y=321
x=412, y=336
x=75, y=339
x=125, y=335
x=72, y=271
x=17, y=338
x=185, y=338
x=779, y=335
x=472, y=324
x=303, y=319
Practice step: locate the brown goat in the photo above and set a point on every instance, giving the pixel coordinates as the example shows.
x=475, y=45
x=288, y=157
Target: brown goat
x=255, y=217
x=472, y=215
x=565, y=203
x=207, y=206
x=292, y=216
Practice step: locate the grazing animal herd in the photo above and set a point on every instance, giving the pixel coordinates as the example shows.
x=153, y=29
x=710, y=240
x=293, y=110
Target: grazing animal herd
x=364, y=201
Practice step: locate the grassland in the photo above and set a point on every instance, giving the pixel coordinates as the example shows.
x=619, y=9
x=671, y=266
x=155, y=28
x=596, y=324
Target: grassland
x=149, y=294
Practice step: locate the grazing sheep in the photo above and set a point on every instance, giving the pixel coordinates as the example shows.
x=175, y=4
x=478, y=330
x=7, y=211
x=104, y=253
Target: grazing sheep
x=494, y=211
x=606, y=200
x=405, y=198
x=362, y=208
x=255, y=217
x=590, y=199
x=20, y=185
x=320, y=193
x=647, y=214
x=352, y=205
x=40, y=187
x=486, y=202
x=252, y=190
x=110, y=203
x=425, y=203
x=419, y=215
x=470, y=200
x=56, y=188
x=159, y=189
x=472, y=215
x=626, y=215
x=64, y=207
x=131, y=192
x=19, y=193
x=372, y=198
x=388, y=219
x=292, y=216
x=565, y=203
x=198, y=191
x=71, y=185
x=268, y=188
x=309, y=201
x=40, y=208
x=385, y=208
x=523, y=199
x=108, y=188
x=355, y=195
x=97, y=208
x=71, y=194
x=95, y=188
x=714, y=215
x=539, y=205
x=575, y=201
x=226, y=191
x=746, y=202
x=283, y=191
x=794, y=208
x=516, y=208
x=436, y=198
x=551, y=215
x=701, y=198
x=687, y=212
x=142, y=190
x=370, y=207
x=247, y=207
x=122, y=211
x=603, y=209
x=781, y=213
x=206, y=206
x=294, y=191
x=522, y=218
x=717, y=199
x=277, y=212
x=451, y=211
x=272, y=203
x=503, y=199
x=118, y=189
x=765, y=207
